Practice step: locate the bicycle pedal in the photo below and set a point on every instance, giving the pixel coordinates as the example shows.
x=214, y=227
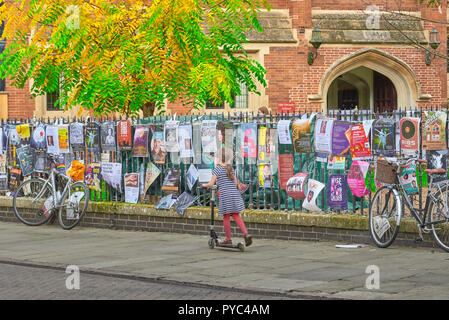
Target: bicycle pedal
x=419, y=240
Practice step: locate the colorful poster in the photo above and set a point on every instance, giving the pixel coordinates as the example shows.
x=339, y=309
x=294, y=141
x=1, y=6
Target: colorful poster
x=171, y=136
x=408, y=178
x=409, y=133
x=323, y=134
x=336, y=163
x=25, y=159
x=52, y=135
x=285, y=167
x=337, y=192
x=157, y=147
x=360, y=147
x=112, y=174
x=249, y=140
x=271, y=147
x=140, y=149
x=124, y=139
x=265, y=175
x=92, y=176
x=171, y=181
x=356, y=178
x=63, y=138
x=192, y=176
x=23, y=131
x=60, y=163
x=15, y=178
x=108, y=136
x=262, y=148
x=296, y=186
x=340, y=137
x=434, y=130
x=76, y=134
x=209, y=135
x=384, y=137
x=313, y=190
x=131, y=188
x=93, y=137
x=301, y=135
x=284, y=132
x=151, y=175
x=38, y=139
x=185, y=141
x=437, y=159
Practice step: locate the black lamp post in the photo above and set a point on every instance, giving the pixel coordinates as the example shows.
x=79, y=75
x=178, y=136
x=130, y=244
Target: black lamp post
x=316, y=42
x=434, y=42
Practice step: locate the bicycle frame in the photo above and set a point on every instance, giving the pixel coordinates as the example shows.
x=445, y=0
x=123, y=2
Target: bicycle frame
x=422, y=222
x=52, y=182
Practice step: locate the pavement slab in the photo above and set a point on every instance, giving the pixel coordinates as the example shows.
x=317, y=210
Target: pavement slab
x=276, y=266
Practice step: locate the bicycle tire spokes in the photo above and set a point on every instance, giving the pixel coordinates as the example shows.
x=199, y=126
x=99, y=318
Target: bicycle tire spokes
x=438, y=217
x=384, y=217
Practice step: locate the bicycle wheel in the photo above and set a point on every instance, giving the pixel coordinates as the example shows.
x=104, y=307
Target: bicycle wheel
x=73, y=205
x=36, y=202
x=438, y=214
x=385, y=216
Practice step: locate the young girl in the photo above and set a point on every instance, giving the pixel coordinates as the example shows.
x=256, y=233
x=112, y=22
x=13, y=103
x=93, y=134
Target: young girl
x=230, y=200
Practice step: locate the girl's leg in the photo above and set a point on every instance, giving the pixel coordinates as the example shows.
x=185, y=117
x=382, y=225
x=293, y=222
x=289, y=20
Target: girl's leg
x=239, y=221
x=227, y=226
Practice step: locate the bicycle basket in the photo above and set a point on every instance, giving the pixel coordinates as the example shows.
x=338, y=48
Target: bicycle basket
x=386, y=172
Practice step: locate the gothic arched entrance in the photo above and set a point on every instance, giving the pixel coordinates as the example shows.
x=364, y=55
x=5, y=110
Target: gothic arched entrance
x=393, y=85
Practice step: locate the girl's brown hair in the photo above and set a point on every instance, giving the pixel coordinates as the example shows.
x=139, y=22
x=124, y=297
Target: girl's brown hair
x=229, y=168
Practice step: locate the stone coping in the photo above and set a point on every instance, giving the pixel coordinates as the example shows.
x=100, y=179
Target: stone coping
x=277, y=217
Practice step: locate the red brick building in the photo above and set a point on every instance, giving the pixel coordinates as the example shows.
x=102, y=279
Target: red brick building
x=366, y=59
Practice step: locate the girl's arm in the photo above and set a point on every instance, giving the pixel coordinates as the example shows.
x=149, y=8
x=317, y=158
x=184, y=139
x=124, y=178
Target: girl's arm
x=211, y=183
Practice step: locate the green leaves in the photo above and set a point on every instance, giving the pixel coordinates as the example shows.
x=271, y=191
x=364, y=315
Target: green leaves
x=123, y=55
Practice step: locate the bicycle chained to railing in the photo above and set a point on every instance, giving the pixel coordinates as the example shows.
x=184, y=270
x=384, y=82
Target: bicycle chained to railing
x=386, y=207
x=37, y=200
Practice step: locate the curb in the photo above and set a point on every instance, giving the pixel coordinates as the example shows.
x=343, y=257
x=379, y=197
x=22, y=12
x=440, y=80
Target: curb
x=294, y=294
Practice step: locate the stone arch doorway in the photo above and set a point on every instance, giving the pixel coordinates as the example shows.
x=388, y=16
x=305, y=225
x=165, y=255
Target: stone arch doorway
x=363, y=88
x=401, y=76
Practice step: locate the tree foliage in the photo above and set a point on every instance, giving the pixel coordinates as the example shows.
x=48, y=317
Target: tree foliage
x=116, y=56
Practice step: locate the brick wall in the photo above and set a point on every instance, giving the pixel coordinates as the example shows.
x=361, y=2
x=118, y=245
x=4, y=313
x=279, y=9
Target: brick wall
x=200, y=227
x=290, y=78
x=403, y=5
x=20, y=104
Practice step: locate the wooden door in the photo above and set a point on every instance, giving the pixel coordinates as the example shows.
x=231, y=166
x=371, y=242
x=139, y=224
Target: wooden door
x=385, y=97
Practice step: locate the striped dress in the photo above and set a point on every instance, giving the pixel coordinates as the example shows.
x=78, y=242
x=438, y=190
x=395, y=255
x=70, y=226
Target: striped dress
x=230, y=199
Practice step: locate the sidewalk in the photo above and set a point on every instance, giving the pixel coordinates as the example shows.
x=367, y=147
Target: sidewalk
x=288, y=267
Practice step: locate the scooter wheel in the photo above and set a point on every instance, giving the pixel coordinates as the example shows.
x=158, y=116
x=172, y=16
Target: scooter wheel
x=241, y=247
x=211, y=243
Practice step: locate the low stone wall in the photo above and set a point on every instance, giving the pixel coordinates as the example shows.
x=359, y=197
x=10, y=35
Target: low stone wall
x=285, y=225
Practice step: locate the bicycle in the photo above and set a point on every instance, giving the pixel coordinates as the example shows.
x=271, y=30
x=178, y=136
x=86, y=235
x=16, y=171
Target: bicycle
x=385, y=211
x=40, y=199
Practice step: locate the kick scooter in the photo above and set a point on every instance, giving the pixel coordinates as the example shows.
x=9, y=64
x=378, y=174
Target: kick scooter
x=214, y=240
